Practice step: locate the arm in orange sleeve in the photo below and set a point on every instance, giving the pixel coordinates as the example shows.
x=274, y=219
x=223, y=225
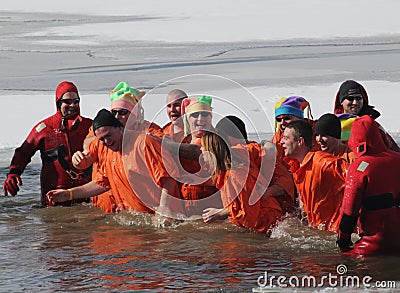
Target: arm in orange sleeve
x=159, y=161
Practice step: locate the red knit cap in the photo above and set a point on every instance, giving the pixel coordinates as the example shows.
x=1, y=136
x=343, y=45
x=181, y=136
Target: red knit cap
x=65, y=87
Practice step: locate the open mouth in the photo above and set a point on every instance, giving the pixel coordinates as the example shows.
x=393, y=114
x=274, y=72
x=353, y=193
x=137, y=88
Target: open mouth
x=200, y=126
x=175, y=116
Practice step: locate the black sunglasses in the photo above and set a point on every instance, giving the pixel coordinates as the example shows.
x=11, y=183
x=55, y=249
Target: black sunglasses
x=121, y=112
x=70, y=101
x=286, y=118
x=203, y=114
x=352, y=98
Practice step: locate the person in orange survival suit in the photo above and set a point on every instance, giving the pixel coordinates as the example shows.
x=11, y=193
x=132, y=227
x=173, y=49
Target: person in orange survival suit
x=197, y=192
x=233, y=130
x=237, y=181
x=320, y=178
x=125, y=101
x=57, y=138
x=372, y=194
x=138, y=180
x=352, y=99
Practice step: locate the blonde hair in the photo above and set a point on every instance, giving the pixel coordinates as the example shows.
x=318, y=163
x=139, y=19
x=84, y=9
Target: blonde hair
x=215, y=145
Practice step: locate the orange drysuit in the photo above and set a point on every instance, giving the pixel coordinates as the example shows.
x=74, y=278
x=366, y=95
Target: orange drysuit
x=198, y=196
x=320, y=183
x=280, y=176
x=236, y=186
x=135, y=179
x=106, y=201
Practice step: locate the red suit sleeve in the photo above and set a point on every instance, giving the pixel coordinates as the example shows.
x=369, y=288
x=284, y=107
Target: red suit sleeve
x=23, y=154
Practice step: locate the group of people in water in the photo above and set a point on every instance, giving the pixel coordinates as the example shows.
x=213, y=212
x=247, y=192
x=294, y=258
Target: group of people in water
x=338, y=173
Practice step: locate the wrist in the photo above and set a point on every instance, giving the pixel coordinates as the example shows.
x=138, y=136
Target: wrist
x=14, y=170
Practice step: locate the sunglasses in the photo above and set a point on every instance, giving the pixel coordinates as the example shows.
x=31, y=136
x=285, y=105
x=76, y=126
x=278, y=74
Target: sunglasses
x=121, y=112
x=70, y=101
x=352, y=98
x=203, y=114
x=286, y=118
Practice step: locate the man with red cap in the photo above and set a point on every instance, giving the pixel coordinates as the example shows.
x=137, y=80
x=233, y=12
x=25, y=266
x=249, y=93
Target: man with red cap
x=57, y=137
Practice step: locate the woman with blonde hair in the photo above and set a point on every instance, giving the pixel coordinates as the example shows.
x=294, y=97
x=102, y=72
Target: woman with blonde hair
x=240, y=187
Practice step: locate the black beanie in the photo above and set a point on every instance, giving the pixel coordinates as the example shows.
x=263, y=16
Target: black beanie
x=232, y=126
x=329, y=124
x=349, y=87
x=105, y=118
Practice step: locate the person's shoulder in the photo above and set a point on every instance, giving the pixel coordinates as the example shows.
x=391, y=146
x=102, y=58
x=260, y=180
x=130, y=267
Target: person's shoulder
x=43, y=124
x=86, y=123
x=86, y=119
x=166, y=127
x=152, y=125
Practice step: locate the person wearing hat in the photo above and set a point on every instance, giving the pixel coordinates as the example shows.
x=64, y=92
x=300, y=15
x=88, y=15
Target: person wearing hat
x=57, y=138
x=196, y=192
x=174, y=129
x=138, y=180
x=288, y=110
x=197, y=117
x=319, y=178
x=352, y=98
x=351, y=102
x=328, y=136
x=372, y=194
x=125, y=105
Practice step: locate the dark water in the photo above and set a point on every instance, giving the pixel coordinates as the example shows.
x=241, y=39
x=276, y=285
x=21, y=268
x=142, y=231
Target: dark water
x=80, y=249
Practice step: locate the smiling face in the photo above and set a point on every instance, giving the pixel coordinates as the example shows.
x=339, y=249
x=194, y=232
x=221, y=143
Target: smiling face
x=110, y=136
x=200, y=122
x=69, y=104
x=353, y=104
x=174, y=111
x=327, y=143
x=289, y=142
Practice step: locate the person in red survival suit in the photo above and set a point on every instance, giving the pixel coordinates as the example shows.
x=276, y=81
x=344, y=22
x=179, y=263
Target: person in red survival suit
x=372, y=193
x=57, y=137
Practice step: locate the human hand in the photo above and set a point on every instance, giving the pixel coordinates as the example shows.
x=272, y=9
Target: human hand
x=81, y=160
x=212, y=214
x=344, y=244
x=57, y=195
x=344, y=241
x=11, y=184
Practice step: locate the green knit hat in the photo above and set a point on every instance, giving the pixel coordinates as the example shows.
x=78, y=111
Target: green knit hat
x=125, y=97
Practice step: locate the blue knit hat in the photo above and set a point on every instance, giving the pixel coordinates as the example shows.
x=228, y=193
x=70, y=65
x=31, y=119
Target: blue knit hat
x=293, y=105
